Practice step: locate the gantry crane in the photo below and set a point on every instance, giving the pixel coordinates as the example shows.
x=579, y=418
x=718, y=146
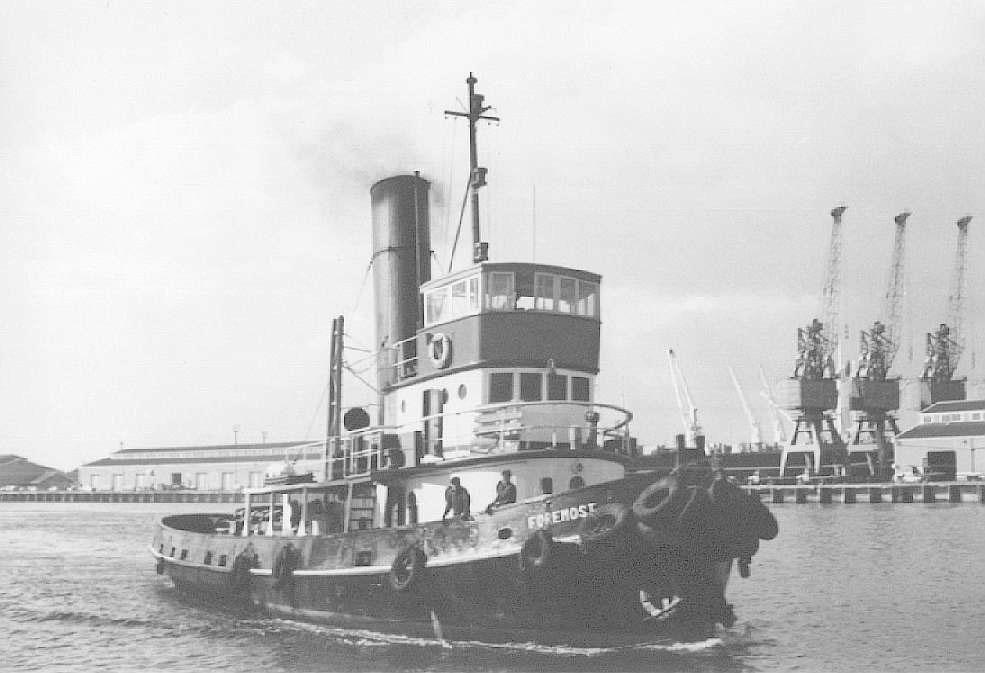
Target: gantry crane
x=755, y=434
x=946, y=343
x=875, y=396
x=688, y=410
x=812, y=391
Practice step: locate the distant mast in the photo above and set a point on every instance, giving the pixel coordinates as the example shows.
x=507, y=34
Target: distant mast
x=477, y=175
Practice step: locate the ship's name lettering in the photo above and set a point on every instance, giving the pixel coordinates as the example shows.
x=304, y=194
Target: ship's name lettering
x=560, y=516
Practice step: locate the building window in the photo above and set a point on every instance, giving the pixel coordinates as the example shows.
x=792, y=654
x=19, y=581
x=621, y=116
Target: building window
x=530, y=387
x=557, y=387
x=501, y=296
x=547, y=485
x=500, y=387
x=579, y=388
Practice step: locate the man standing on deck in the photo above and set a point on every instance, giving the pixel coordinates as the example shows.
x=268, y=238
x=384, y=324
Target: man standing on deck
x=505, y=493
x=457, y=500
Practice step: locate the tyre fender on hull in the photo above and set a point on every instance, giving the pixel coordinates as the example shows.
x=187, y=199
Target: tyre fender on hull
x=407, y=570
x=537, y=551
x=288, y=560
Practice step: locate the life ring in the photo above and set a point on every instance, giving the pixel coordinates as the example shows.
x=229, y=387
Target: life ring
x=160, y=565
x=407, y=569
x=439, y=350
x=537, y=551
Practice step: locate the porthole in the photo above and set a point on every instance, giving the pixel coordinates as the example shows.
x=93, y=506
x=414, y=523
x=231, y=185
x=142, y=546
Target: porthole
x=462, y=391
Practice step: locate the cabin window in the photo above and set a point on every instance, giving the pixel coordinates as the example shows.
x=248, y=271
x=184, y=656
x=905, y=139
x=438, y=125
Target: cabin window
x=567, y=295
x=579, y=388
x=544, y=286
x=463, y=391
x=474, y=294
x=500, y=387
x=222, y=561
x=435, y=305
x=524, y=291
x=184, y=554
x=928, y=418
x=557, y=387
x=587, y=299
x=530, y=387
x=176, y=478
x=547, y=485
x=576, y=482
x=501, y=296
x=208, y=558
x=460, y=298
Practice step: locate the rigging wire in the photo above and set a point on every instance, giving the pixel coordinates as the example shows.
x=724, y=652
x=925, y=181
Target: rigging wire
x=458, y=231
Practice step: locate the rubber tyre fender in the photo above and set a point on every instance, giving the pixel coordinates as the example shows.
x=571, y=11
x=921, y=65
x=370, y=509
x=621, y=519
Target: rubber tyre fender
x=669, y=498
x=407, y=570
x=239, y=575
x=537, y=551
x=613, y=517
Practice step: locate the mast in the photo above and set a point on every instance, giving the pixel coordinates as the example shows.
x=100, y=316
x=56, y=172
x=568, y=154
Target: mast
x=333, y=429
x=477, y=179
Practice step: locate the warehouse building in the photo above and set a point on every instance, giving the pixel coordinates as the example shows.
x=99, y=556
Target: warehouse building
x=17, y=473
x=226, y=468
x=950, y=440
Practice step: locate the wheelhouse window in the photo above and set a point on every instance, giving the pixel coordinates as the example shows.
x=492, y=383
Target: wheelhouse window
x=557, y=387
x=525, y=291
x=530, y=387
x=544, y=288
x=460, y=298
x=501, y=296
x=434, y=305
x=588, y=294
x=452, y=301
x=567, y=295
x=500, y=387
x=579, y=389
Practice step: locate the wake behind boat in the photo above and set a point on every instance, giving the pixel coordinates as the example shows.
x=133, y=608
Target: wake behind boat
x=486, y=380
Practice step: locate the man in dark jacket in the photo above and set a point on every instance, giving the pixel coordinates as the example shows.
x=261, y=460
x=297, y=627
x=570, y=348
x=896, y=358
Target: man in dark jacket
x=457, y=500
x=505, y=492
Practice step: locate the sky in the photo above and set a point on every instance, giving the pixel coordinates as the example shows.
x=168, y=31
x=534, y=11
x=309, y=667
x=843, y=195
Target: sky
x=184, y=193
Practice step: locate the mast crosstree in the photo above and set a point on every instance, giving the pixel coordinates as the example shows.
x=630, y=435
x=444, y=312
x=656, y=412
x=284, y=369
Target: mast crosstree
x=477, y=174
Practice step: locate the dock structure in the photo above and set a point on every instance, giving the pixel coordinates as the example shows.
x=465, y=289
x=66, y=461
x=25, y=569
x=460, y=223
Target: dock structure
x=148, y=496
x=848, y=494
x=824, y=494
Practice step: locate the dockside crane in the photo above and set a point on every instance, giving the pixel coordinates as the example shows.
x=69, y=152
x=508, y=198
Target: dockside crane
x=685, y=404
x=946, y=344
x=755, y=434
x=812, y=391
x=874, y=395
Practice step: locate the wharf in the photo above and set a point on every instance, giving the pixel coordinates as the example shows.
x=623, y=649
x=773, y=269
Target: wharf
x=122, y=496
x=927, y=493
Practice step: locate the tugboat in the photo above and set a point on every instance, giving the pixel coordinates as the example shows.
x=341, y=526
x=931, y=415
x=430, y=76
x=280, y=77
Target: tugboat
x=490, y=497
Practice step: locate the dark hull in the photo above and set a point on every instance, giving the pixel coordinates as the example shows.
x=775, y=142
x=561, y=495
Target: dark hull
x=593, y=588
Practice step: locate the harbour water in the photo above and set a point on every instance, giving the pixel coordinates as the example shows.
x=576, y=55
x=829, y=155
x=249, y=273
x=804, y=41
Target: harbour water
x=878, y=587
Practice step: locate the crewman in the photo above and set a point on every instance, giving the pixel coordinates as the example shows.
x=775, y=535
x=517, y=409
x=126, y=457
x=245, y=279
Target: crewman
x=505, y=492
x=457, y=500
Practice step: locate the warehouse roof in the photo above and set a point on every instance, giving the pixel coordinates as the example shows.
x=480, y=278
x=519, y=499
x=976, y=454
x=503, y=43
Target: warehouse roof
x=929, y=430
x=956, y=405
x=18, y=471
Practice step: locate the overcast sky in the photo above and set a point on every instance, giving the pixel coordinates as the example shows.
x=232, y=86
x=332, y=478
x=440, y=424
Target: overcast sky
x=184, y=192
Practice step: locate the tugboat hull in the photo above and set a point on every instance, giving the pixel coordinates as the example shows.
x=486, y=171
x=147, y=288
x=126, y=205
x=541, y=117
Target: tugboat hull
x=581, y=568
